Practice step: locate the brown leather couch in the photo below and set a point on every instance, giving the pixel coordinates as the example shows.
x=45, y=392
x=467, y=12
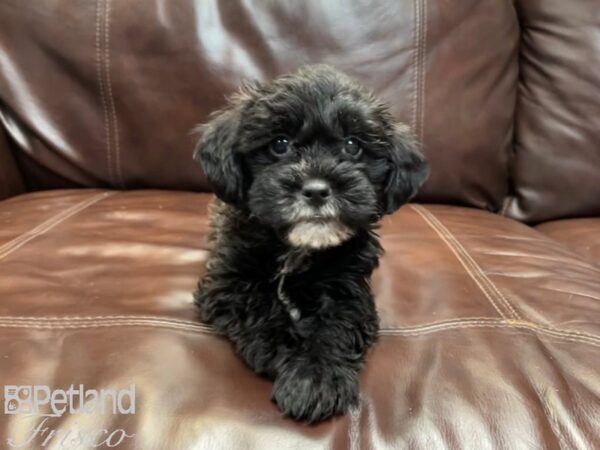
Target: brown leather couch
x=489, y=293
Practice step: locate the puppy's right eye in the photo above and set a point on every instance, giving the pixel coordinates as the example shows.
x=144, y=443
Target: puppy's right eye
x=280, y=146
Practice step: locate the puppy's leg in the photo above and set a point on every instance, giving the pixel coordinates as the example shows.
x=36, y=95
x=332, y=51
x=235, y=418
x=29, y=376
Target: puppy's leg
x=321, y=378
x=255, y=323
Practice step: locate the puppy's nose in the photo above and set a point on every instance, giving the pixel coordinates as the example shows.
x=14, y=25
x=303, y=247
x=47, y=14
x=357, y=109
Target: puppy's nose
x=316, y=191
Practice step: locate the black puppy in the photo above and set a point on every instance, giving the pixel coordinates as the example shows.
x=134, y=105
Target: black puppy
x=303, y=168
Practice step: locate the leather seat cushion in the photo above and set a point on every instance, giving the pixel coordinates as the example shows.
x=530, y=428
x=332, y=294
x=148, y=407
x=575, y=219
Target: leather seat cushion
x=490, y=330
x=580, y=235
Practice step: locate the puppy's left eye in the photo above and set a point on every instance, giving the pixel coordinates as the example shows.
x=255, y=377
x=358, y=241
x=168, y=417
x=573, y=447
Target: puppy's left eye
x=352, y=147
x=280, y=146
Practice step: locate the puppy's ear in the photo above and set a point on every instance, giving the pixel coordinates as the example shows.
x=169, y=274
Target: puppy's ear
x=216, y=153
x=408, y=169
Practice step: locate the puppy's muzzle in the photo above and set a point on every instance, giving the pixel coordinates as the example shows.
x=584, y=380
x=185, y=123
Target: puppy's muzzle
x=317, y=225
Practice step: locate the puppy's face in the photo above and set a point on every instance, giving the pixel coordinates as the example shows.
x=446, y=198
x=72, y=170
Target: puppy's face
x=313, y=155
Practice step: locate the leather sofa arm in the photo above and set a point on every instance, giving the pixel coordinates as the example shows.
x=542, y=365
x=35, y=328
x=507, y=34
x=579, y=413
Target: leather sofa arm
x=11, y=180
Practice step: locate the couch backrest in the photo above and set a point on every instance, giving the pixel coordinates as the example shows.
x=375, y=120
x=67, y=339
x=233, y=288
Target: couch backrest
x=556, y=167
x=105, y=93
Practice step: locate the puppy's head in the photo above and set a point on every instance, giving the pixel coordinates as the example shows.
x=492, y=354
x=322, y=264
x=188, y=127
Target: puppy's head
x=313, y=155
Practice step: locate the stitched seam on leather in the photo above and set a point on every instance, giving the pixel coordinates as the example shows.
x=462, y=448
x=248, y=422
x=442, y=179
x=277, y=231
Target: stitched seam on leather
x=421, y=128
x=469, y=259
x=537, y=331
x=100, y=27
x=460, y=259
x=194, y=323
x=124, y=319
x=69, y=319
x=48, y=224
x=62, y=326
x=111, y=99
x=415, y=63
x=443, y=323
x=494, y=321
x=107, y=317
x=127, y=320
x=206, y=330
x=419, y=329
x=75, y=321
x=476, y=266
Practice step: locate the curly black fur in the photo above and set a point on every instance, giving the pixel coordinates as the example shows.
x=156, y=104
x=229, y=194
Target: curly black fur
x=288, y=277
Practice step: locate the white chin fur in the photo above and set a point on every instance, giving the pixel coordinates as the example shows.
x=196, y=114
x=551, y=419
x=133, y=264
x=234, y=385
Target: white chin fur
x=318, y=235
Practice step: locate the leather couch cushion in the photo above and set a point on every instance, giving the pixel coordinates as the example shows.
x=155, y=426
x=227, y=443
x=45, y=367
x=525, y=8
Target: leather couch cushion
x=106, y=93
x=580, y=235
x=556, y=168
x=490, y=330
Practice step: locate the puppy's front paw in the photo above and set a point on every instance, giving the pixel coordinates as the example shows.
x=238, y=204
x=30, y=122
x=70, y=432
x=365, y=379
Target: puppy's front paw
x=312, y=392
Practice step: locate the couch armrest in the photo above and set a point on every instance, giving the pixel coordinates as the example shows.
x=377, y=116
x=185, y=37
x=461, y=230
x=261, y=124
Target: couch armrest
x=11, y=180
